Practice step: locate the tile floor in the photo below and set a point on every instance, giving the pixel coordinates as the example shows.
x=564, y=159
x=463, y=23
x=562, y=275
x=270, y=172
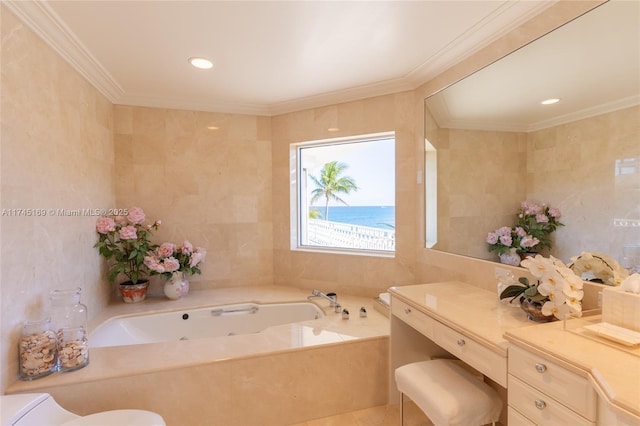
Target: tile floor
x=384, y=415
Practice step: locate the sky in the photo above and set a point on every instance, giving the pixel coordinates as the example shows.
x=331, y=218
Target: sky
x=370, y=164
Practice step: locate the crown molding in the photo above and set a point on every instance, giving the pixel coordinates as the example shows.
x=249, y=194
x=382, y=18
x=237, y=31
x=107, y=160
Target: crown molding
x=39, y=16
x=586, y=113
x=445, y=122
x=509, y=16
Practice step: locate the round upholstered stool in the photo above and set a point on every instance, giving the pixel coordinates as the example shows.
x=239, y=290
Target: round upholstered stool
x=448, y=393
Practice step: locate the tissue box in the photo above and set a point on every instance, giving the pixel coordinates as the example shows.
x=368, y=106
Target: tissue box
x=621, y=308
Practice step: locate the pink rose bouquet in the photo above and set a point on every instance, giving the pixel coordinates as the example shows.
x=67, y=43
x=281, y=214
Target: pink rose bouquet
x=124, y=242
x=169, y=258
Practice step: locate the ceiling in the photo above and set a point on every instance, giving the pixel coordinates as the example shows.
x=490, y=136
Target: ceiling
x=271, y=57
x=592, y=64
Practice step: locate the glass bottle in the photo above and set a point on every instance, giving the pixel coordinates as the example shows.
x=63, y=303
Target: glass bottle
x=37, y=350
x=69, y=320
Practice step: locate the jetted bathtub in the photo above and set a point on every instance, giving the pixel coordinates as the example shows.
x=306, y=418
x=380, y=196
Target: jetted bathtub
x=214, y=321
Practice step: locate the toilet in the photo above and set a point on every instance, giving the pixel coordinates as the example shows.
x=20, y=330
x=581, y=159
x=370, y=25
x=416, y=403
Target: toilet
x=40, y=409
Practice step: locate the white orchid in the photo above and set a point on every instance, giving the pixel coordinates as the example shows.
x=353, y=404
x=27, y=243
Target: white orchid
x=598, y=267
x=558, y=288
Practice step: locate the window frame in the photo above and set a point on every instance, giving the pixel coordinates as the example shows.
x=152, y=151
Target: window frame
x=296, y=194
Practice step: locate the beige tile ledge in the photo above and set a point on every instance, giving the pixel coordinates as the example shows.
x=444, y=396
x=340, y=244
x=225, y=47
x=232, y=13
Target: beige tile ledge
x=121, y=361
x=615, y=371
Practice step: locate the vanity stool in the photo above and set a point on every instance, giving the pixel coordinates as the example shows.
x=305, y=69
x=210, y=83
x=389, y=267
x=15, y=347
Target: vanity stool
x=448, y=393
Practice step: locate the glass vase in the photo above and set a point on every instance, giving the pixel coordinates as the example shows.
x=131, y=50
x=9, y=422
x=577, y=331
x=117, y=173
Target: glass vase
x=69, y=320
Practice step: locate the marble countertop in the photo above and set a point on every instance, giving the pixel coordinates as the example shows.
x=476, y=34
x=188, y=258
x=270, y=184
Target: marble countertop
x=106, y=362
x=613, y=368
x=468, y=309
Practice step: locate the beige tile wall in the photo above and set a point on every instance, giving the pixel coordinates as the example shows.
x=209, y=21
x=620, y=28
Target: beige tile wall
x=573, y=167
x=481, y=182
x=210, y=186
x=57, y=153
x=360, y=275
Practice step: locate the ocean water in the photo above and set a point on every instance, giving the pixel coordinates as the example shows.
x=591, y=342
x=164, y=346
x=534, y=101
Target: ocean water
x=374, y=216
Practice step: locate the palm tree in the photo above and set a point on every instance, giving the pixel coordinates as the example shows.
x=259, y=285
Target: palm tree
x=330, y=184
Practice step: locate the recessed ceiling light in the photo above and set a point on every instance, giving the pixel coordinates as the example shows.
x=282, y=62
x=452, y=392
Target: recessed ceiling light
x=201, y=63
x=550, y=101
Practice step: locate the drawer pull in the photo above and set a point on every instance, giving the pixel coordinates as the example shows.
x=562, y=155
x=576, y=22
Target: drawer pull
x=540, y=404
x=460, y=342
x=541, y=368
x=407, y=311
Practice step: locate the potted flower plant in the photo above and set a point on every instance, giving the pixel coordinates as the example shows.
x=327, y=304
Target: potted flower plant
x=558, y=292
x=175, y=263
x=124, y=241
x=539, y=221
x=530, y=235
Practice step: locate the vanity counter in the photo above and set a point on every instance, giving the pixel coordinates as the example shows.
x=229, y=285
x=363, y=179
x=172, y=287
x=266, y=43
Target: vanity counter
x=613, y=369
x=465, y=308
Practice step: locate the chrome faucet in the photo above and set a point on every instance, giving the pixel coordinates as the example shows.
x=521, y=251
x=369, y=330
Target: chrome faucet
x=331, y=297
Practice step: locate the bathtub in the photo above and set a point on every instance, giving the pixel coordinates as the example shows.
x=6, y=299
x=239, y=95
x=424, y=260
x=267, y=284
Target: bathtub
x=275, y=376
x=214, y=321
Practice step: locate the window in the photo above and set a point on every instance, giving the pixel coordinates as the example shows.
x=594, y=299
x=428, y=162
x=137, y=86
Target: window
x=343, y=194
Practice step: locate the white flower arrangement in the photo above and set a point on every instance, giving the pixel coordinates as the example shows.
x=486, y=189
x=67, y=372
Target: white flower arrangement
x=558, y=291
x=598, y=267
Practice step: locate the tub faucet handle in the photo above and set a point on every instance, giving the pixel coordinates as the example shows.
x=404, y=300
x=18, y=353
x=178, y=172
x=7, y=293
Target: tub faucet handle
x=338, y=308
x=345, y=314
x=363, y=312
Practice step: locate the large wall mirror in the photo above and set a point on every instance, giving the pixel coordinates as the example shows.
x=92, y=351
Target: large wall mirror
x=497, y=145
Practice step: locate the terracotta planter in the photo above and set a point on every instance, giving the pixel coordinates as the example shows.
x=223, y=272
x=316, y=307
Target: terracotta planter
x=134, y=293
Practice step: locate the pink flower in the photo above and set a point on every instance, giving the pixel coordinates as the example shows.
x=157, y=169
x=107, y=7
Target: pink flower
x=171, y=264
x=152, y=263
x=492, y=238
x=105, y=225
x=136, y=215
x=198, y=256
x=530, y=208
x=529, y=241
x=541, y=218
x=504, y=231
x=128, y=233
x=520, y=232
x=554, y=212
x=166, y=249
x=506, y=240
x=187, y=247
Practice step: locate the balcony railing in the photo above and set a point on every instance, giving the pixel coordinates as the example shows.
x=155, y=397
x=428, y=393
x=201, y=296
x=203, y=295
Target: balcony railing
x=325, y=233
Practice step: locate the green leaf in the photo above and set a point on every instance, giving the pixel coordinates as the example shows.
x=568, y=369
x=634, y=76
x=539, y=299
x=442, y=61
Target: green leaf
x=512, y=291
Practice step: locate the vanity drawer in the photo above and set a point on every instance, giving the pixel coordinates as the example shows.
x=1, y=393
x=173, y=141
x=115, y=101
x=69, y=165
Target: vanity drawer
x=486, y=361
x=539, y=407
x=416, y=319
x=572, y=389
x=514, y=418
